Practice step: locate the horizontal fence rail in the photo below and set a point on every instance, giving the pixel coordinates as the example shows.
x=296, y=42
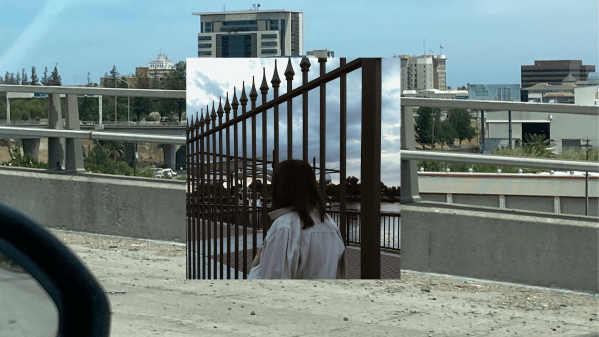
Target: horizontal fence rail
x=21, y=132
x=224, y=221
x=566, y=165
x=90, y=91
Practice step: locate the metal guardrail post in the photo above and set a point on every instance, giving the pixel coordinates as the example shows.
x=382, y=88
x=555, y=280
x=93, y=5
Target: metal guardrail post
x=74, y=147
x=409, y=170
x=55, y=147
x=370, y=219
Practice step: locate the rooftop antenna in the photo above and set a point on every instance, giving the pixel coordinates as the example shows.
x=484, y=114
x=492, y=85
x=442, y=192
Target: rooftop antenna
x=440, y=47
x=258, y=7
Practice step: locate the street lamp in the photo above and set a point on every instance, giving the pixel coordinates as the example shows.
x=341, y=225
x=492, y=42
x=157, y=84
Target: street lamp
x=128, y=118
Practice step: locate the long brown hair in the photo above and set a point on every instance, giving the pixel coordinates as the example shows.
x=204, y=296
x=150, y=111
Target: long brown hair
x=294, y=184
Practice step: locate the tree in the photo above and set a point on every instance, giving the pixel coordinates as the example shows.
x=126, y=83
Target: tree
x=353, y=188
x=459, y=119
x=7, y=78
x=45, y=78
x=12, y=79
x=24, y=80
x=34, y=79
x=89, y=80
x=444, y=133
x=55, y=78
x=424, y=124
x=176, y=80
x=18, y=79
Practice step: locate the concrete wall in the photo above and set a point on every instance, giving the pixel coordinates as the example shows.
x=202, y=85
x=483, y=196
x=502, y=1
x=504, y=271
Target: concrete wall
x=528, y=248
x=96, y=203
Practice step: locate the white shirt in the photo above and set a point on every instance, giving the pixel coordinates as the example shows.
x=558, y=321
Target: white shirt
x=290, y=252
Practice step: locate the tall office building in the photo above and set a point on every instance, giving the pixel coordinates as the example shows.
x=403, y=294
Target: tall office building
x=251, y=33
x=423, y=72
x=553, y=72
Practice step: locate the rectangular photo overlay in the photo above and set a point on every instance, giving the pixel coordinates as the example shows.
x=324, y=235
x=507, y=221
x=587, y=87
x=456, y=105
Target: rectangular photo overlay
x=293, y=168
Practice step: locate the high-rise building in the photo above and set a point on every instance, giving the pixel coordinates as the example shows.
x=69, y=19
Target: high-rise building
x=554, y=72
x=423, y=72
x=251, y=33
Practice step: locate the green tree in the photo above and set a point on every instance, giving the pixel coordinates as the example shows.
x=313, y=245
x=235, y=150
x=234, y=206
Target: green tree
x=24, y=79
x=175, y=80
x=536, y=145
x=18, y=79
x=34, y=79
x=6, y=78
x=55, y=78
x=444, y=133
x=424, y=124
x=17, y=159
x=45, y=78
x=459, y=119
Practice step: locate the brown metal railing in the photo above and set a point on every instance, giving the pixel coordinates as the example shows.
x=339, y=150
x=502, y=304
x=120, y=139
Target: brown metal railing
x=215, y=212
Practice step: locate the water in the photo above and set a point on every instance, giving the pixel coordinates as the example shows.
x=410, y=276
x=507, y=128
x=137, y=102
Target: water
x=390, y=226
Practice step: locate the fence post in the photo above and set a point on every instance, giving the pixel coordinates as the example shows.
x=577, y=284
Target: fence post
x=74, y=147
x=55, y=146
x=409, y=171
x=370, y=217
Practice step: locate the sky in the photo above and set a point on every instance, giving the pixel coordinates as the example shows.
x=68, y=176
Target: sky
x=485, y=41
x=210, y=79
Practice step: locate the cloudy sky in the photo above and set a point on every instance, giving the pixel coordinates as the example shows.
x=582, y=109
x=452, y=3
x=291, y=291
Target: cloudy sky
x=209, y=80
x=486, y=41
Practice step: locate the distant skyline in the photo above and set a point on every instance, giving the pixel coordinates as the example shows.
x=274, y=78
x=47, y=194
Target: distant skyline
x=485, y=41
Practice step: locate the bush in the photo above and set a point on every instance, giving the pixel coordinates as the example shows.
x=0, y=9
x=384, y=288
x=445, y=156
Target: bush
x=22, y=160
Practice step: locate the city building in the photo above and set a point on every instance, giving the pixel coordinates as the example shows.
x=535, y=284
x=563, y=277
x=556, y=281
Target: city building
x=251, y=33
x=145, y=77
x=552, y=72
x=423, y=72
x=320, y=53
x=436, y=93
x=160, y=68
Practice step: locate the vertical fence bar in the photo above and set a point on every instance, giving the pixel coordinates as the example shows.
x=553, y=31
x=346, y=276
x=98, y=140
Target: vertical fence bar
x=201, y=192
x=244, y=182
x=192, y=173
x=370, y=220
x=208, y=199
x=289, y=77
x=214, y=196
x=188, y=202
x=276, y=81
x=253, y=97
x=220, y=187
x=342, y=152
x=323, y=128
x=235, y=105
x=409, y=174
x=229, y=196
x=305, y=66
x=264, y=92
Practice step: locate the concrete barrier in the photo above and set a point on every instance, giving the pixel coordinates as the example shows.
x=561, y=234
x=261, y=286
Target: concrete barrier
x=97, y=203
x=530, y=248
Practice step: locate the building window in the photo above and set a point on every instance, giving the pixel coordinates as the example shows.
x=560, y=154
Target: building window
x=240, y=23
x=207, y=27
x=269, y=36
x=204, y=45
x=205, y=38
x=570, y=144
x=269, y=44
x=274, y=24
x=269, y=51
x=208, y=52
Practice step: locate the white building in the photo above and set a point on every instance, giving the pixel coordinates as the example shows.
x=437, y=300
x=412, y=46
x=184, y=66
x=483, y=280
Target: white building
x=161, y=67
x=423, y=72
x=251, y=33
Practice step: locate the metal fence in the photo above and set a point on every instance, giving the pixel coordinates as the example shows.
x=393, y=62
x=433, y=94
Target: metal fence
x=215, y=214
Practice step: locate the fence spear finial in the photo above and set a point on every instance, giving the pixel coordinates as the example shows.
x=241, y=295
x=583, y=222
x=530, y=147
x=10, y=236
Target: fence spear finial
x=305, y=64
x=213, y=114
x=253, y=92
x=289, y=71
x=235, y=102
x=264, y=85
x=243, y=99
x=227, y=106
x=202, y=117
x=275, y=78
x=220, y=107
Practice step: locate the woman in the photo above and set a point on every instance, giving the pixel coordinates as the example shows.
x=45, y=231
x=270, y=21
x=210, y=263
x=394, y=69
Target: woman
x=302, y=243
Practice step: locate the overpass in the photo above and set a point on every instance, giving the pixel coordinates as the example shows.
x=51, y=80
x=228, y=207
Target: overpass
x=529, y=247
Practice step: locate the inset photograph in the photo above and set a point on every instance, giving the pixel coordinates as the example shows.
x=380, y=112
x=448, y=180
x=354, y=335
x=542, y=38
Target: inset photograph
x=293, y=168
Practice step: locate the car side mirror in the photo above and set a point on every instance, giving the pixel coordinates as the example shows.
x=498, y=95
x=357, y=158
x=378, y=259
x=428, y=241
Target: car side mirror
x=44, y=286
